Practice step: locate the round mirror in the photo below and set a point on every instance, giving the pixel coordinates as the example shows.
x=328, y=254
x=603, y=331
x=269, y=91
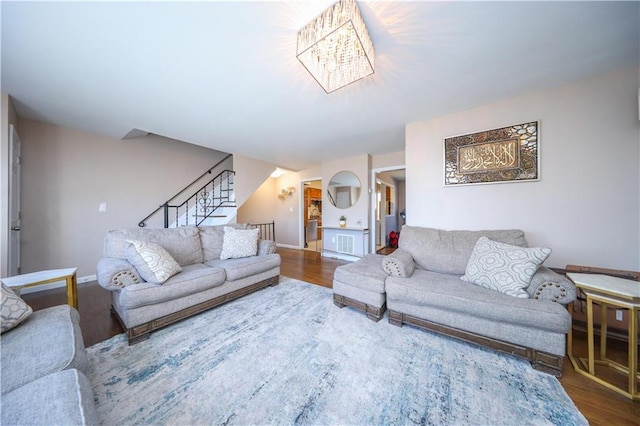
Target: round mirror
x=343, y=190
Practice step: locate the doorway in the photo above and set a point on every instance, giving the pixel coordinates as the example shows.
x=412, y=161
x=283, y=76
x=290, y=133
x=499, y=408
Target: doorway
x=389, y=208
x=312, y=215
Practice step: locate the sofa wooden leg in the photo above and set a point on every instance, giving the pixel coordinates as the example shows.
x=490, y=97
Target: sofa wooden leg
x=374, y=317
x=375, y=314
x=338, y=301
x=395, y=318
x=137, y=339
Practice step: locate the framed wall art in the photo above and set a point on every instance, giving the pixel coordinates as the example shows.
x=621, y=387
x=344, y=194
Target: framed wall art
x=507, y=154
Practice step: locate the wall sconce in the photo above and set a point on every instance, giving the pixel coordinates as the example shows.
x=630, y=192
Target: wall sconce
x=284, y=193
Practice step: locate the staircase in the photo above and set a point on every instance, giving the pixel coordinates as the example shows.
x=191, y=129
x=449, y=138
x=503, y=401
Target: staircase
x=212, y=202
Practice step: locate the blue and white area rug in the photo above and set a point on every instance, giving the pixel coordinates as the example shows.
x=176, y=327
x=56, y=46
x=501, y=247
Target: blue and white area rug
x=287, y=355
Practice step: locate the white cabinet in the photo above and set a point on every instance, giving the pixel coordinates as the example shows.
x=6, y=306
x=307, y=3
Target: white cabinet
x=345, y=243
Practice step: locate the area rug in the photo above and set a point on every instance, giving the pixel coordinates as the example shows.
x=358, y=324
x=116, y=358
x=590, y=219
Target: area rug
x=287, y=355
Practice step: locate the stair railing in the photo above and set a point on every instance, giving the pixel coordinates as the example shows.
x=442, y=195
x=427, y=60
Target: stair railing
x=143, y=222
x=267, y=231
x=204, y=203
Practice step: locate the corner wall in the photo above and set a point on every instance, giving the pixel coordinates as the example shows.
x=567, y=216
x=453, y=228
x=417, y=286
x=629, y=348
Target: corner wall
x=586, y=205
x=68, y=173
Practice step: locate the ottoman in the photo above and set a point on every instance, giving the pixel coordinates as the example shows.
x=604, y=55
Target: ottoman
x=361, y=286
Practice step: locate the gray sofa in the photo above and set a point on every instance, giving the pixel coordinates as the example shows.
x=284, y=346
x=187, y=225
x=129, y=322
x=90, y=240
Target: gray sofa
x=205, y=280
x=420, y=284
x=43, y=361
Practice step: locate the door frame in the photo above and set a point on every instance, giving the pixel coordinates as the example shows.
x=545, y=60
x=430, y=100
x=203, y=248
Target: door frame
x=372, y=201
x=13, y=252
x=301, y=230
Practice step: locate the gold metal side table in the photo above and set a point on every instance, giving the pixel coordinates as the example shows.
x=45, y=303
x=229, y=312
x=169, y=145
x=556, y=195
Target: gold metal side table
x=619, y=292
x=46, y=277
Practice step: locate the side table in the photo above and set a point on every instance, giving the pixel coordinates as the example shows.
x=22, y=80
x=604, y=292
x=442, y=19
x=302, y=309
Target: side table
x=619, y=292
x=46, y=277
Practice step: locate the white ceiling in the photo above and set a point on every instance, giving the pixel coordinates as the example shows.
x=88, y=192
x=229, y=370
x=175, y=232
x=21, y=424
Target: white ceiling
x=224, y=74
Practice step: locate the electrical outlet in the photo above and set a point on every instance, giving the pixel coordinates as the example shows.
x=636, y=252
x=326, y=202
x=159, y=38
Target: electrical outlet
x=618, y=314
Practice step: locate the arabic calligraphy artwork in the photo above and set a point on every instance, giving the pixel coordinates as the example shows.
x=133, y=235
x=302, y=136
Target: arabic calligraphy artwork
x=508, y=154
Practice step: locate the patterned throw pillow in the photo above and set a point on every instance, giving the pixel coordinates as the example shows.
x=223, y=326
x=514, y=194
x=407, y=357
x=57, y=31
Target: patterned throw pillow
x=503, y=267
x=239, y=243
x=154, y=264
x=14, y=309
x=398, y=264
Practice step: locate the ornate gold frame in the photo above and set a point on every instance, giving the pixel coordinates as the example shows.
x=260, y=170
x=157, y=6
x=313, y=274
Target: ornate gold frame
x=507, y=154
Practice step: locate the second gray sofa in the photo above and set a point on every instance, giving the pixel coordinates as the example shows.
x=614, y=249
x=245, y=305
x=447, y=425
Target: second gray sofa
x=420, y=284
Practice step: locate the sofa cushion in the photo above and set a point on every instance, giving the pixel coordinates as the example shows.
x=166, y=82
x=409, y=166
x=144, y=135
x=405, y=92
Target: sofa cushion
x=504, y=267
x=365, y=273
x=183, y=244
x=49, y=340
x=193, y=279
x=154, y=264
x=62, y=398
x=14, y=309
x=399, y=264
x=211, y=238
x=450, y=293
x=449, y=251
x=236, y=269
x=238, y=243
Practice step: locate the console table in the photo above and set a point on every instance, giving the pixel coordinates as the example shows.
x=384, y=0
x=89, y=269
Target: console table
x=46, y=277
x=619, y=292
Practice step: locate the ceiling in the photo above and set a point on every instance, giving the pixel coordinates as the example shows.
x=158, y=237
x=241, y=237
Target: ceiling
x=224, y=74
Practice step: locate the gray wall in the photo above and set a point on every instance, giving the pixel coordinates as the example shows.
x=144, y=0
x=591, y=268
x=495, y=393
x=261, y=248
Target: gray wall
x=66, y=174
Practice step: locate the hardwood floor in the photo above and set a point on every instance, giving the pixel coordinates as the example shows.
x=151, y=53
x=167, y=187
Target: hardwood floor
x=598, y=404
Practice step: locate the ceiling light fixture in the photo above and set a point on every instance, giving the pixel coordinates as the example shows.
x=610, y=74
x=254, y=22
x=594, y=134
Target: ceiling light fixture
x=335, y=47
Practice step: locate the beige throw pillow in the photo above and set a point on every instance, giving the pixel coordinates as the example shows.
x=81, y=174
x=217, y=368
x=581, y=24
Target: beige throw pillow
x=239, y=243
x=14, y=309
x=154, y=264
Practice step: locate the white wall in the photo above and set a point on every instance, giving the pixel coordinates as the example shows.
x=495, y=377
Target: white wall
x=260, y=207
x=360, y=165
x=586, y=206
x=250, y=174
x=68, y=173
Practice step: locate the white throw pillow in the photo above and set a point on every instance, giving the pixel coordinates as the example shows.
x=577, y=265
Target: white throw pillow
x=239, y=243
x=503, y=267
x=154, y=264
x=14, y=309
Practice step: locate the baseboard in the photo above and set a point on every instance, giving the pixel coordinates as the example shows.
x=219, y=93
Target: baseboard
x=57, y=284
x=340, y=256
x=289, y=246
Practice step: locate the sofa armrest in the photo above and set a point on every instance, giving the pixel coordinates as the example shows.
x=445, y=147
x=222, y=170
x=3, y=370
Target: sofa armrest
x=399, y=264
x=114, y=273
x=550, y=285
x=266, y=247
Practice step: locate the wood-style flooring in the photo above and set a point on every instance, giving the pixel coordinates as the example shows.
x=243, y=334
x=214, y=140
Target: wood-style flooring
x=598, y=404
